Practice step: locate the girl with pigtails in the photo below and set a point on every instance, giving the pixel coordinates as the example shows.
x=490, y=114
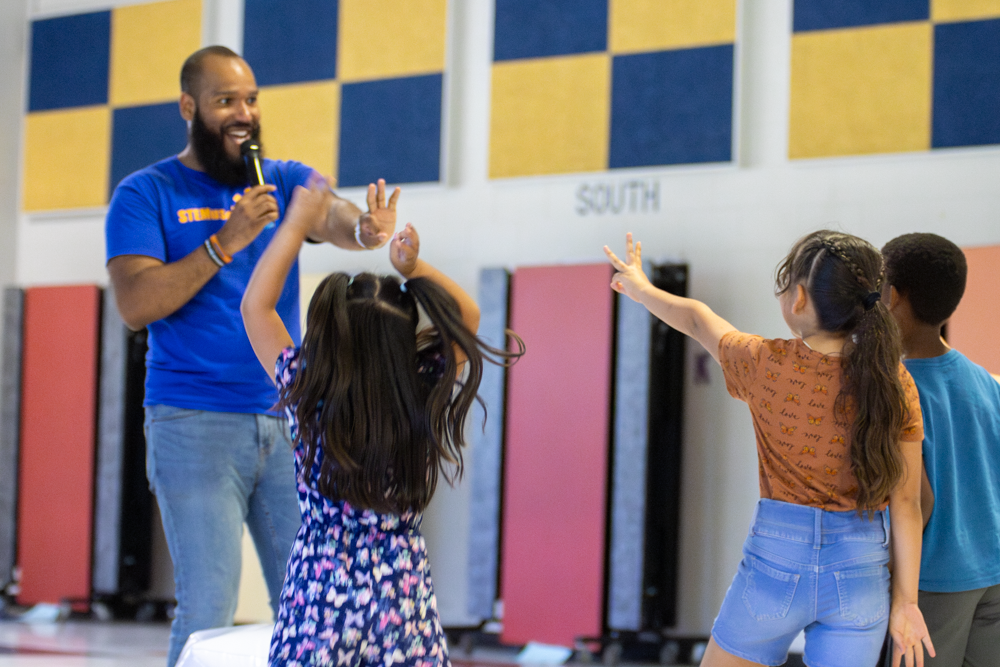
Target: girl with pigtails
x=838, y=428
x=377, y=414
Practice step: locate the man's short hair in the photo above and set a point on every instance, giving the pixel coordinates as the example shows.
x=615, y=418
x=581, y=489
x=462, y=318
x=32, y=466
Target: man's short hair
x=930, y=271
x=193, y=66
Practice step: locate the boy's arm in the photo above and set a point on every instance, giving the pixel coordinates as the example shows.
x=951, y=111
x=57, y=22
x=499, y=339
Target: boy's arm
x=688, y=316
x=267, y=333
x=926, y=496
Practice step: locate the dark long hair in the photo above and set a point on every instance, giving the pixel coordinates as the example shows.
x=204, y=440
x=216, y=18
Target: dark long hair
x=841, y=272
x=386, y=424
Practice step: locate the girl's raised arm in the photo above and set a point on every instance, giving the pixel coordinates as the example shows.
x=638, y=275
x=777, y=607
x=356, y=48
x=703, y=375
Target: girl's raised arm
x=267, y=333
x=688, y=316
x=404, y=253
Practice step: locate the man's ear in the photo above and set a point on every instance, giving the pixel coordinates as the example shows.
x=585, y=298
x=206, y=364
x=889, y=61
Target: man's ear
x=187, y=107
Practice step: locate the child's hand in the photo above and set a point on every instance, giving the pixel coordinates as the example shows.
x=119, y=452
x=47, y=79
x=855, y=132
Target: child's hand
x=909, y=636
x=310, y=205
x=404, y=249
x=630, y=279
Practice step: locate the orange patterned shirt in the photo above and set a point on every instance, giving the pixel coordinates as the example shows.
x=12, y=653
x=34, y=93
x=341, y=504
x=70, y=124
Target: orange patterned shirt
x=803, y=449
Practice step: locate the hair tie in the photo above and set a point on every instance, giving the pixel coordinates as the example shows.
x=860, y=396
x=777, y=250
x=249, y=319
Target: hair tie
x=871, y=300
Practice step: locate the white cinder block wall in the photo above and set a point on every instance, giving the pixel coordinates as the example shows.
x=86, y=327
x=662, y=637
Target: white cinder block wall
x=731, y=223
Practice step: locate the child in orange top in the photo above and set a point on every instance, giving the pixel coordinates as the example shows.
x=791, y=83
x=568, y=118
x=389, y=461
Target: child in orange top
x=838, y=427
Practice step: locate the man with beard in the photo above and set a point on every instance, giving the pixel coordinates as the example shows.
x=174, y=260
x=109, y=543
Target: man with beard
x=183, y=236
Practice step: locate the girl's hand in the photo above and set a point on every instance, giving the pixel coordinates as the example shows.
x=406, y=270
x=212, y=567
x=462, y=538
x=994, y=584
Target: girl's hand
x=630, y=279
x=909, y=636
x=310, y=205
x=404, y=250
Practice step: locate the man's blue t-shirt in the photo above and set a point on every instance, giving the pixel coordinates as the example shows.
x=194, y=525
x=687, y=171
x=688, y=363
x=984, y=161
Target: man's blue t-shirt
x=960, y=401
x=199, y=357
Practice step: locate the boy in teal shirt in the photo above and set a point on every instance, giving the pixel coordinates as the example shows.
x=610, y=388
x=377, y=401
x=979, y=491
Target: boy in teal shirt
x=960, y=559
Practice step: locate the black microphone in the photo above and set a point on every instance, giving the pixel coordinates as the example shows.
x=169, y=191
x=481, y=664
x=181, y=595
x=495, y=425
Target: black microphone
x=250, y=150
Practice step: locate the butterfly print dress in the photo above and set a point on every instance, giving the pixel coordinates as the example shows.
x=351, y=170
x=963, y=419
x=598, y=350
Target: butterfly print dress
x=357, y=587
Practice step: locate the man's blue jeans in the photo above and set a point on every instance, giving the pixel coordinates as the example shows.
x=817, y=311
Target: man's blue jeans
x=211, y=472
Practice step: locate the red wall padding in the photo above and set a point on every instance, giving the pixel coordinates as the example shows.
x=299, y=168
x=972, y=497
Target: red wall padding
x=556, y=456
x=58, y=426
x=972, y=329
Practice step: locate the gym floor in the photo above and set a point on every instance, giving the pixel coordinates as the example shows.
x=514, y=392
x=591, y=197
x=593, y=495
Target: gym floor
x=87, y=643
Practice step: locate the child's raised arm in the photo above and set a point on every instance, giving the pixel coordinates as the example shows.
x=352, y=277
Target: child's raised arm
x=267, y=333
x=688, y=316
x=404, y=253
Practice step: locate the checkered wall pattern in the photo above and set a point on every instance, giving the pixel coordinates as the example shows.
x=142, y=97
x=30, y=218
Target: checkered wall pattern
x=352, y=88
x=893, y=76
x=102, y=99
x=589, y=85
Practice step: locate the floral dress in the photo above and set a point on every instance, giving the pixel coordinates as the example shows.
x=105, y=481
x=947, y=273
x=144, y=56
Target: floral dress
x=357, y=587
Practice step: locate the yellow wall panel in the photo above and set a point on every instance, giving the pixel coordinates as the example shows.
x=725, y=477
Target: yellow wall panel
x=550, y=116
x=657, y=25
x=66, y=158
x=964, y=10
x=149, y=43
x=859, y=91
x=382, y=39
x=301, y=122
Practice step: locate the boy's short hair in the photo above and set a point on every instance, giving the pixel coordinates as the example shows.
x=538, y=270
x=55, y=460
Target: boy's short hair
x=930, y=271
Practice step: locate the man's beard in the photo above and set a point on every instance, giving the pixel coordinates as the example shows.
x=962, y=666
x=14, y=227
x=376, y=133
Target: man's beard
x=210, y=150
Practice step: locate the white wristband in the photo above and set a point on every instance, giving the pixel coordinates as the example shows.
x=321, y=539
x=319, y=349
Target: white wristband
x=357, y=235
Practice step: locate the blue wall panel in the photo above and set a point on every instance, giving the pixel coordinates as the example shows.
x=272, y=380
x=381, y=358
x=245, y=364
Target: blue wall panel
x=288, y=42
x=966, y=84
x=401, y=141
x=142, y=136
x=628, y=484
x=829, y=14
x=69, y=61
x=486, y=455
x=539, y=28
x=672, y=107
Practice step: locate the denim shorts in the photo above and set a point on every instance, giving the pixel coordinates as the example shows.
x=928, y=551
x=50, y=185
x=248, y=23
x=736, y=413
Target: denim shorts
x=807, y=569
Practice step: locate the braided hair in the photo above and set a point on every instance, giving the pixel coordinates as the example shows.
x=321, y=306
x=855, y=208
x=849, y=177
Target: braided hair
x=842, y=275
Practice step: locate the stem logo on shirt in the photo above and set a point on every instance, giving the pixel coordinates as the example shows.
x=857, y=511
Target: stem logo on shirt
x=198, y=214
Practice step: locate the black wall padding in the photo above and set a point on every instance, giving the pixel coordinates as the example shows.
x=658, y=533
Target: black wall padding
x=123, y=509
x=663, y=481
x=10, y=428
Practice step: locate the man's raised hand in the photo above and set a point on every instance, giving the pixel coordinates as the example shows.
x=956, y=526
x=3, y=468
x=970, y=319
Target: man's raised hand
x=379, y=223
